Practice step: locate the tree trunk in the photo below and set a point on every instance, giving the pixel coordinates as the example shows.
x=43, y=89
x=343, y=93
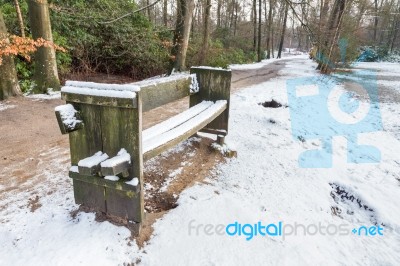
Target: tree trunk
x=236, y=19
x=46, y=74
x=283, y=32
x=334, y=27
x=269, y=32
x=8, y=79
x=181, y=35
x=259, y=55
x=19, y=17
x=219, y=6
x=272, y=41
x=165, y=13
x=206, y=33
x=326, y=29
x=375, y=20
x=396, y=29
x=148, y=9
x=324, y=9
x=254, y=25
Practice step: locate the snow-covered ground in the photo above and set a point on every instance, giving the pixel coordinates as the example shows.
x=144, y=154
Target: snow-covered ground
x=48, y=96
x=6, y=105
x=263, y=184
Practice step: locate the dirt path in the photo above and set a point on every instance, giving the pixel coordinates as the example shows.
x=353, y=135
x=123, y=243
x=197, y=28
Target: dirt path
x=247, y=77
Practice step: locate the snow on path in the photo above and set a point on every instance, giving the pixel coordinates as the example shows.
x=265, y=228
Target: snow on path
x=49, y=96
x=264, y=183
x=5, y=106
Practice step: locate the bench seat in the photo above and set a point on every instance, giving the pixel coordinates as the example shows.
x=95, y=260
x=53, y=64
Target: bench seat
x=180, y=127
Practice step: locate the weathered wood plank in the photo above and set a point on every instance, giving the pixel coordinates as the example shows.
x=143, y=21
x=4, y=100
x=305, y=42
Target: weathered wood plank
x=195, y=126
x=123, y=204
x=122, y=128
x=94, y=170
x=214, y=131
x=116, y=169
x=99, y=100
x=89, y=194
x=214, y=84
x=155, y=95
x=86, y=141
x=99, y=181
x=91, y=165
x=65, y=122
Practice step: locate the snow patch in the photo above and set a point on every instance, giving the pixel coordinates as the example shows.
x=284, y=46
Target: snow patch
x=67, y=113
x=194, y=86
x=122, y=156
x=103, y=86
x=5, y=106
x=99, y=92
x=134, y=182
x=74, y=169
x=93, y=160
x=111, y=177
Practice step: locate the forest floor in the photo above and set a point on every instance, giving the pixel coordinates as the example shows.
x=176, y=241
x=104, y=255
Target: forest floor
x=36, y=192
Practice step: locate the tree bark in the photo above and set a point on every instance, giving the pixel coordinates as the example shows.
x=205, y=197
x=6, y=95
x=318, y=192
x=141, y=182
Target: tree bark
x=8, y=78
x=333, y=34
x=235, y=19
x=148, y=9
x=46, y=74
x=181, y=35
x=375, y=20
x=283, y=31
x=254, y=25
x=259, y=55
x=19, y=17
x=219, y=6
x=165, y=13
x=206, y=33
x=396, y=25
x=269, y=32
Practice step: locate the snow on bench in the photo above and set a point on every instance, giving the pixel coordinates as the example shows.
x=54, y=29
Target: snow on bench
x=100, y=94
x=175, y=121
x=181, y=127
x=67, y=118
x=116, y=165
x=91, y=165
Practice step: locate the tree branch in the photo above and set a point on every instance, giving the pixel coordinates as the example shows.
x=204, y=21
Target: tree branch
x=130, y=13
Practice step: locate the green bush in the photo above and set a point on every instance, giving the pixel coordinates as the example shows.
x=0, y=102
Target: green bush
x=129, y=46
x=218, y=55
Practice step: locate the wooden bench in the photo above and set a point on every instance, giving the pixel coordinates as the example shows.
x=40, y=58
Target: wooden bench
x=108, y=146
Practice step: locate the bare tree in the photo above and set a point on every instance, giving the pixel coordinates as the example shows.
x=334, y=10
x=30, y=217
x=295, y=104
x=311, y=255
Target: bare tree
x=8, y=79
x=46, y=74
x=283, y=31
x=165, y=13
x=206, y=32
x=375, y=20
x=19, y=17
x=269, y=31
x=259, y=55
x=181, y=35
x=332, y=34
x=255, y=25
x=395, y=27
x=219, y=6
